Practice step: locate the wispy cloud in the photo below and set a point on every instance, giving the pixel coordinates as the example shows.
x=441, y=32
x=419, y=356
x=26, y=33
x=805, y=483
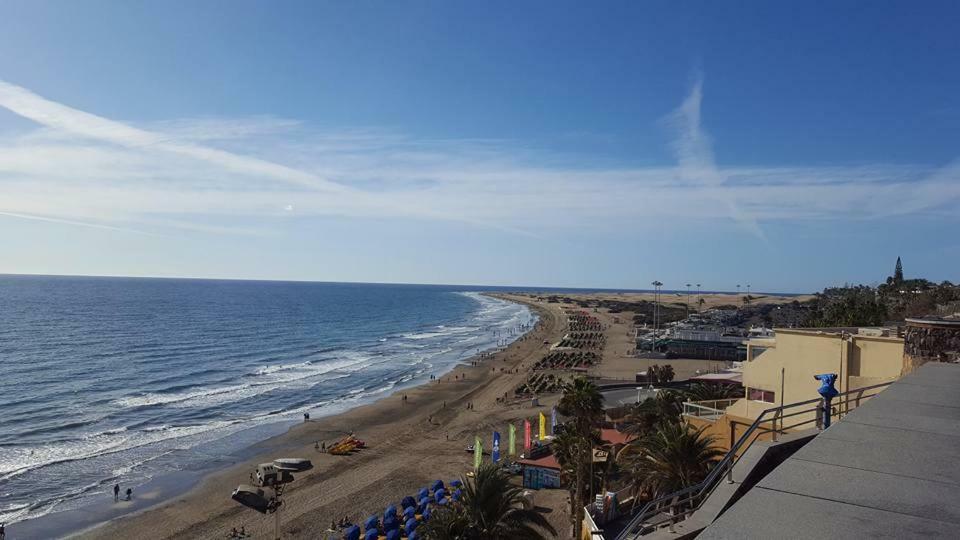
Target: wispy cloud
x=694, y=152
x=68, y=120
x=247, y=175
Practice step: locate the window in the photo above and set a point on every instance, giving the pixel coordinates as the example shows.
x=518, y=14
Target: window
x=765, y=396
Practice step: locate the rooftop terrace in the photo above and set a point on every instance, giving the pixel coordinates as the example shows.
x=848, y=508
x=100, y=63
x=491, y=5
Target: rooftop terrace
x=889, y=469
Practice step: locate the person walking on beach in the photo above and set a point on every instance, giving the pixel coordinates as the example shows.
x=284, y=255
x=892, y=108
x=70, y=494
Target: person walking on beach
x=129, y=493
x=116, y=492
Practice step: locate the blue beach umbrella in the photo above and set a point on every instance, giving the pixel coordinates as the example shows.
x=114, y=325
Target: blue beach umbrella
x=456, y=483
x=439, y=494
x=443, y=501
x=437, y=484
x=392, y=509
x=410, y=526
x=352, y=533
x=413, y=536
x=393, y=534
x=371, y=523
x=424, y=492
x=456, y=495
x=371, y=534
x=409, y=512
x=391, y=523
x=426, y=514
x=407, y=501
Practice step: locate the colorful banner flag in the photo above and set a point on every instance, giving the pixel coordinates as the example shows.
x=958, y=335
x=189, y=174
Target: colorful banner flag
x=477, y=453
x=543, y=427
x=553, y=421
x=495, y=453
x=526, y=435
x=512, y=436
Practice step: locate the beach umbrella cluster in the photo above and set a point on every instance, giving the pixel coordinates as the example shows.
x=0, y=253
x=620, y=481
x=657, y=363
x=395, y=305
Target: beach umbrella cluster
x=403, y=522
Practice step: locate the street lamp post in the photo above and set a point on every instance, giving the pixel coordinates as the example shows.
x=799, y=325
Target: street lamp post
x=698, y=298
x=688, y=299
x=656, y=311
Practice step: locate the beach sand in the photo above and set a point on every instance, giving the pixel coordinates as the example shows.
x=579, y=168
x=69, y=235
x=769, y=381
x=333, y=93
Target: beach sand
x=409, y=445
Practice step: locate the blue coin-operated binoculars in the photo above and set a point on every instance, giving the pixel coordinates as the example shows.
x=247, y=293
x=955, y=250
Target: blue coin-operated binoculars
x=828, y=392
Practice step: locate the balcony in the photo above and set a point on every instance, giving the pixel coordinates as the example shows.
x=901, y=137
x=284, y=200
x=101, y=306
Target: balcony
x=710, y=411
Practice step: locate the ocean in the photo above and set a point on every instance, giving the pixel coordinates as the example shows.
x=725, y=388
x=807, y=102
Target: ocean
x=122, y=380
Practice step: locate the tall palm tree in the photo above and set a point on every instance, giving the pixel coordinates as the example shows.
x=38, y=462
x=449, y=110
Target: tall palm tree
x=491, y=508
x=672, y=458
x=582, y=402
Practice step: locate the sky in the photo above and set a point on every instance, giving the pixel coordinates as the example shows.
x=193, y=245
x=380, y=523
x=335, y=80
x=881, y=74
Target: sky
x=788, y=145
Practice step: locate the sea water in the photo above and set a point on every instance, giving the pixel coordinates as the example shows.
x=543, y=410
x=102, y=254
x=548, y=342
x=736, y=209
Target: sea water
x=120, y=380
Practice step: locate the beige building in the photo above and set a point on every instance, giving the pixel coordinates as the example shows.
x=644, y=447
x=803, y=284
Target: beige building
x=780, y=370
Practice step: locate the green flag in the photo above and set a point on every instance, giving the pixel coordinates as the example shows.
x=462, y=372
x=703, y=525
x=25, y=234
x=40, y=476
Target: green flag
x=477, y=453
x=513, y=440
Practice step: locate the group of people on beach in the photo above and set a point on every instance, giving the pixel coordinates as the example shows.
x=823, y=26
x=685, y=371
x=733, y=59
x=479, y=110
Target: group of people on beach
x=234, y=533
x=116, y=493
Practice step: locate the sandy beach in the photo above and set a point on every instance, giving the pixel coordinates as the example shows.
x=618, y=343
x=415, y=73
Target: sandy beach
x=410, y=444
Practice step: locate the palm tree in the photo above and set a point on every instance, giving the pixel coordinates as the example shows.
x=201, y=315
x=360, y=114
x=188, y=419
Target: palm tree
x=582, y=402
x=666, y=373
x=491, y=508
x=713, y=392
x=674, y=457
x=445, y=524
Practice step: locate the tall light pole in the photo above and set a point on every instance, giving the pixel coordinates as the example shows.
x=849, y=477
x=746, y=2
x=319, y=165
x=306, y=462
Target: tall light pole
x=738, y=289
x=688, y=299
x=698, y=298
x=656, y=310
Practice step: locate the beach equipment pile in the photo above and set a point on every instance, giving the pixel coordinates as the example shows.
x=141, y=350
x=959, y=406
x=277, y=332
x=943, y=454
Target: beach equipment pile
x=346, y=446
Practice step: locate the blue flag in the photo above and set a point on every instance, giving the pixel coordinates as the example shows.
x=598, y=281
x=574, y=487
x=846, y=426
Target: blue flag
x=495, y=453
x=553, y=421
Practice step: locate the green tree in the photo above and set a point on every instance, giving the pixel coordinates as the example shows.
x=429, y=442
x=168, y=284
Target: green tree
x=672, y=458
x=582, y=403
x=713, y=392
x=849, y=306
x=491, y=508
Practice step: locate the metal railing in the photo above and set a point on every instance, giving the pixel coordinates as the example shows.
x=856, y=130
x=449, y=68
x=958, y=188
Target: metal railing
x=672, y=508
x=707, y=410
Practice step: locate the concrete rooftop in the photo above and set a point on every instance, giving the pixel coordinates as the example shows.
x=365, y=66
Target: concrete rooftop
x=890, y=469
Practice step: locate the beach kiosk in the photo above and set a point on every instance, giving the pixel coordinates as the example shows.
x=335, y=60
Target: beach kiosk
x=539, y=473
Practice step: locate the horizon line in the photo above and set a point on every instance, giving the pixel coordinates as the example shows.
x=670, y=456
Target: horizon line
x=320, y=281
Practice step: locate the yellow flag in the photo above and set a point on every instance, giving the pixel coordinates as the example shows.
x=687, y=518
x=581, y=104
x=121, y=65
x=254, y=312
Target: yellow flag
x=543, y=427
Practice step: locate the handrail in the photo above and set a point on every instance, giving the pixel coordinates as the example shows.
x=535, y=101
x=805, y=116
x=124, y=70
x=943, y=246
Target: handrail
x=687, y=500
x=701, y=409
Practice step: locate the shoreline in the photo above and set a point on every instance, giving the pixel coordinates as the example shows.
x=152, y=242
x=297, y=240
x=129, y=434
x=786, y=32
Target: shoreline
x=169, y=505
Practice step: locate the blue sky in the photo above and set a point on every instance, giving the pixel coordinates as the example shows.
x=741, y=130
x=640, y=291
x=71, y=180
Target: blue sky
x=787, y=145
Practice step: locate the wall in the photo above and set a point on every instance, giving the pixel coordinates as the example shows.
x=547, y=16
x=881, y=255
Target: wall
x=930, y=340
x=726, y=430
x=788, y=366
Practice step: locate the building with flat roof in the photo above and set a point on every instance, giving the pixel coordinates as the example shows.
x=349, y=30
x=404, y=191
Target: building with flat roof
x=781, y=369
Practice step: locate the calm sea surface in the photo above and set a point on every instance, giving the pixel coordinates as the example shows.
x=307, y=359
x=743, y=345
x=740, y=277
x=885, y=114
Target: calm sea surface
x=106, y=380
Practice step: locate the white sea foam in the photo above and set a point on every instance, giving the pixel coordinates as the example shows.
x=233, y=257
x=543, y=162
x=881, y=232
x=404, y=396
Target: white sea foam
x=268, y=378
